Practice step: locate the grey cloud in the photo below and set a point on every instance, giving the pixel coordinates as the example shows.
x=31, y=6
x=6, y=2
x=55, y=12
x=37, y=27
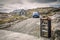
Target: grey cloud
x=11, y=1
x=22, y=1
x=56, y=5
x=43, y=1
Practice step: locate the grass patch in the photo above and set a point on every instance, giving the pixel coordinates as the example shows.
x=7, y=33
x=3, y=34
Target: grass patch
x=12, y=19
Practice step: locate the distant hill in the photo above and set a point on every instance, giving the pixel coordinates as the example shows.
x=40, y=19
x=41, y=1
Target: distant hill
x=56, y=5
x=48, y=10
x=45, y=10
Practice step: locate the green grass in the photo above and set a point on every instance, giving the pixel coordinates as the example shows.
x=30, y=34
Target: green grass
x=12, y=19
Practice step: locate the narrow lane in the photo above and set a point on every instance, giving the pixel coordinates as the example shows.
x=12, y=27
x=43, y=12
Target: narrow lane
x=25, y=26
x=9, y=35
x=29, y=27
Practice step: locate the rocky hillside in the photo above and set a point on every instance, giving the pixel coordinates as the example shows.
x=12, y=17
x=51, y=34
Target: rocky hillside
x=46, y=10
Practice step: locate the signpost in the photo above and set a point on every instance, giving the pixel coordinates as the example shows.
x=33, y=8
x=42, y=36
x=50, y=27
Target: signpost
x=45, y=27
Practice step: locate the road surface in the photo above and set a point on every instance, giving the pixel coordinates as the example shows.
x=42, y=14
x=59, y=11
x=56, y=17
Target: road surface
x=30, y=27
x=9, y=35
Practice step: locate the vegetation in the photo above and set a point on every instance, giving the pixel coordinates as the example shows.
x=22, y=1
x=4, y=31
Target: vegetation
x=47, y=10
x=11, y=19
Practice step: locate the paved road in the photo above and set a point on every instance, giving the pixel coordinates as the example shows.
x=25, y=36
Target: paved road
x=30, y=26
x=9, y=35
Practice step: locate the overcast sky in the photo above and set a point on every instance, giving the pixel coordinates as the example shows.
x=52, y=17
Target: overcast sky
x=31, y=1
x=26, y=4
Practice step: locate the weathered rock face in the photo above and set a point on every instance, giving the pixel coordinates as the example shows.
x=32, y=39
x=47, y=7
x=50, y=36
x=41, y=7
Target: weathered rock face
x=56, y=22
